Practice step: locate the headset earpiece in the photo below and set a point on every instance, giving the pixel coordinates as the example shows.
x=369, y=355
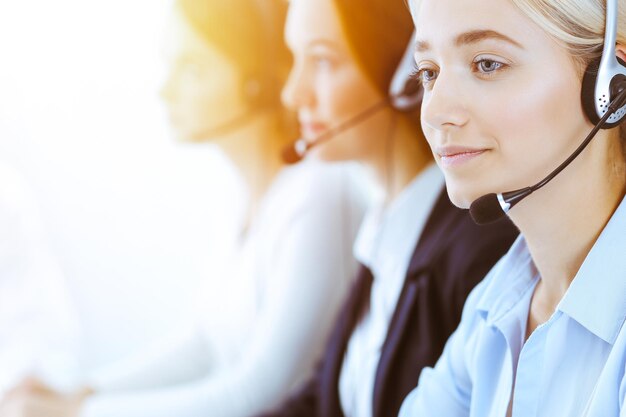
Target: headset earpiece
x=259, y=91
x=261, y=88
x=587, y=93
x=605, y=77
x=405, y=91
x=254, y=91
x=590, y=96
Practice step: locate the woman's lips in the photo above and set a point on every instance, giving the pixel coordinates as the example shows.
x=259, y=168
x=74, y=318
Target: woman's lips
x=452, y=156
x=311, y=130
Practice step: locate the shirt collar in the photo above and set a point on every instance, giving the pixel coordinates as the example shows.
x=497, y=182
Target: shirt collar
x=596, y=298
x=388, y=233
x=600, y=281
x=507, y=282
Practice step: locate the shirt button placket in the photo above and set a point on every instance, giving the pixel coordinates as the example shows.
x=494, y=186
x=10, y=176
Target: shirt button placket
x=529, y=379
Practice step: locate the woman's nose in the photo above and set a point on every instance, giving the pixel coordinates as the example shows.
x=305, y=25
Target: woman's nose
x=444, y=104
x=297, y=91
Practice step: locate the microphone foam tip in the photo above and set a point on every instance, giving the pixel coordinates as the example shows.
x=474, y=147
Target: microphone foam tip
x=486, y=209
x=289, y=155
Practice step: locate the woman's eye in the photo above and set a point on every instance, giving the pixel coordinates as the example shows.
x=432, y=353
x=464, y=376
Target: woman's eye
x=192, y=70
x=488, y=66
x=425, y=75
x=323, y=62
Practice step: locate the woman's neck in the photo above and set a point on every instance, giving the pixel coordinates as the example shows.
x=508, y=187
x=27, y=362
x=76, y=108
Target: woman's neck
x=402, y=155
x=562, y=221
x=255, y=150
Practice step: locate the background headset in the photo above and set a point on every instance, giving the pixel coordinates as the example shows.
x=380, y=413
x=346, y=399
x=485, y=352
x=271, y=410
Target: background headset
x=603, y=95
x=405, y=95
x=260, y=88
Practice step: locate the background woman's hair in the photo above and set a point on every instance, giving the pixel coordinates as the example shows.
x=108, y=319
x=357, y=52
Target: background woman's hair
x=378, y=33
x=250, y=34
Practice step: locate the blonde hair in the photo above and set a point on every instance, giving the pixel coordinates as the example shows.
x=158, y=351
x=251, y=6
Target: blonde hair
x=250, y=34
x=577, y=24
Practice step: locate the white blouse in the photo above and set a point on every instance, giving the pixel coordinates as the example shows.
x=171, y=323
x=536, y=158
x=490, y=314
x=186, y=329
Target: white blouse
x=265, y=321
x=385, y=244
x=38, y=332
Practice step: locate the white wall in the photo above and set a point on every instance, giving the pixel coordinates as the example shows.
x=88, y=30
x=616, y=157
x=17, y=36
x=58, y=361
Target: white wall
x=130, y=214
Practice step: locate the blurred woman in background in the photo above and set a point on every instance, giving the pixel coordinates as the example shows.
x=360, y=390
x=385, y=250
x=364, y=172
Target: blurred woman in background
x=420, y=255
x=273, y=298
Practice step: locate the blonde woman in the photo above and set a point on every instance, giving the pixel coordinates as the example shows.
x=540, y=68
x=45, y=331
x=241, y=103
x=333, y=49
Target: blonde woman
x=543, y=334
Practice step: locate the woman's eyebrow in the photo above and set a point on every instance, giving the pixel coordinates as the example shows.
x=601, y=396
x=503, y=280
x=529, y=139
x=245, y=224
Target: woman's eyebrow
x=471, y=37
x=475, y=36
x=421, y=46
x=322, y=43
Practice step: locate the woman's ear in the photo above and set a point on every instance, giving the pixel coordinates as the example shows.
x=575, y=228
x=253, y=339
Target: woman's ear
x=620, y=51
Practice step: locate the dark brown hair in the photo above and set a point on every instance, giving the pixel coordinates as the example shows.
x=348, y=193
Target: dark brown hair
x=378, y=32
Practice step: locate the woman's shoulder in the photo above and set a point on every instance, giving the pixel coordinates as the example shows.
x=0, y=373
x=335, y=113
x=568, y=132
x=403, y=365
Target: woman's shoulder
x=317, y=188
x=324, y=177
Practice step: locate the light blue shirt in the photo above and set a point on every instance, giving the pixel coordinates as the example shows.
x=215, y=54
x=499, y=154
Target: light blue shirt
x=572, y=365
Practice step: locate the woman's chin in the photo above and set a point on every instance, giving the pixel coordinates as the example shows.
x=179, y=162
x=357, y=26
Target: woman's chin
x=327, y=153
x=461, y=196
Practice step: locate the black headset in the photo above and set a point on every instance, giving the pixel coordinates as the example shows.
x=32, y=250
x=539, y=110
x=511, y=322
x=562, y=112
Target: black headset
x=405, y=91
x=260, y=88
